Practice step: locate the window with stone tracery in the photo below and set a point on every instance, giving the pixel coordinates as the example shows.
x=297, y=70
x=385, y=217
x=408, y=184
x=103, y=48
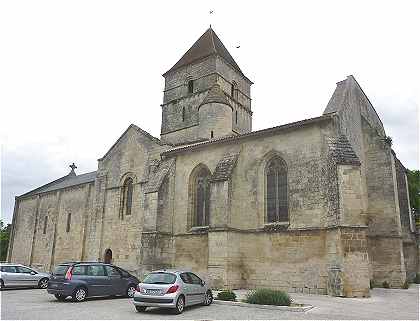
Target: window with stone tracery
x=127, y=197
x=276, y=191
x=200, y=187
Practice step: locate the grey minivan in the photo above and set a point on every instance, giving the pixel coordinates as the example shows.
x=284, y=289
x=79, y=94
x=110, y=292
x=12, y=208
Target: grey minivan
x=90, y=279
x=173, y=289
x=18, y=275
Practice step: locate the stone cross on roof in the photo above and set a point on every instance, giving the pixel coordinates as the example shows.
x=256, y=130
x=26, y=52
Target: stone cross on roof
x=73, y=167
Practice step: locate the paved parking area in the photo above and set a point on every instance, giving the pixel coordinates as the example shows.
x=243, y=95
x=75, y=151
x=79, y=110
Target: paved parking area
x=384, y=304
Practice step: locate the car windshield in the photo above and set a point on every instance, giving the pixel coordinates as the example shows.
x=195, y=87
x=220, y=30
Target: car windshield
x=61, y=269
x=160, y=278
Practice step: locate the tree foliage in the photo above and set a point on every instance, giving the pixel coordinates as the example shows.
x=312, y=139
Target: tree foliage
x=4, y=239
x=413, y=177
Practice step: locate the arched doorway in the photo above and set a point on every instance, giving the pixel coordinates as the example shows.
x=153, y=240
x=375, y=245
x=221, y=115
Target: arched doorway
x=108, y=256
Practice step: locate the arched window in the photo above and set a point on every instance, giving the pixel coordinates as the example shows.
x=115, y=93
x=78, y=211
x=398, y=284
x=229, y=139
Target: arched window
x=233, y=90
x=276, y=191
x=200, y=190
x=45, y=225
x=190, y=86
x=183, y=113
x=127, y=200
x=236, y=117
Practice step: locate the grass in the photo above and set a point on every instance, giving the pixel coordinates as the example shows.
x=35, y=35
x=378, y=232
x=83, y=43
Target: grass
x=226, y=295
x=268, y=297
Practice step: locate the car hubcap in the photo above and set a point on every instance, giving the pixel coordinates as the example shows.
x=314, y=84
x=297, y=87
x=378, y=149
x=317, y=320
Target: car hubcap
x=43, y=284
x=180, y=305
x=130, y=291
x=80, y=295
x=208, y=299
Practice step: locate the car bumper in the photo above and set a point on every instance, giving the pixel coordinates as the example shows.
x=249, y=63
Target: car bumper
x=162, y=301
x=65, y=290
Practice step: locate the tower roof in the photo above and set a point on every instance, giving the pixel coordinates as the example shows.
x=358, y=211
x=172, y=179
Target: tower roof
x=208, y=44
x=215, y=95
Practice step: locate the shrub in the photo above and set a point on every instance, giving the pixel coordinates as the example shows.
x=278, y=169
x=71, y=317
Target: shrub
x=385, y=284
x=417, y=278
x=405, y=285
x=226, y=295
x=268, y=297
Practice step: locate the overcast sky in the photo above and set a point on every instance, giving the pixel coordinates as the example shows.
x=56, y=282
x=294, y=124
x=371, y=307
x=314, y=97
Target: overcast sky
x=75, y=74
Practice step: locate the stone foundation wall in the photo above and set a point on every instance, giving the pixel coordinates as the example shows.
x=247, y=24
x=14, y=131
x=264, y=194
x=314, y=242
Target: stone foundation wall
x=293, y=261
x=410, y=259
x=387, y=260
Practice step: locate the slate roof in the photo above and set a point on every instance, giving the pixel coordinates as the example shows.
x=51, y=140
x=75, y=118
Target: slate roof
x=208, y=44
x=225, y=167
x=156, y=178
x=338, y=97
x=215, y=95
x=342, y=152
x=63, y=182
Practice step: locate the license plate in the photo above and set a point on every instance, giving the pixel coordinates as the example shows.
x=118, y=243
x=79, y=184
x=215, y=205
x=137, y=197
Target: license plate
x=153, y=292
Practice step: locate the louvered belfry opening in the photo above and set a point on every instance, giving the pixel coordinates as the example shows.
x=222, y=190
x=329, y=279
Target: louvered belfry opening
x=276, y=191
x=202, y=198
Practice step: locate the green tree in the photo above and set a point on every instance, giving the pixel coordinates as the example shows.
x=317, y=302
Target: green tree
x=4, y=239
x=413, y=177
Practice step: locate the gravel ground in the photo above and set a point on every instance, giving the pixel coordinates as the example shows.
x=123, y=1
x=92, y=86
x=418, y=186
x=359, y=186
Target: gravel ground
x=383, y=304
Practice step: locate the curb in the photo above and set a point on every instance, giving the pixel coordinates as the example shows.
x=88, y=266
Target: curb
x=266, y=307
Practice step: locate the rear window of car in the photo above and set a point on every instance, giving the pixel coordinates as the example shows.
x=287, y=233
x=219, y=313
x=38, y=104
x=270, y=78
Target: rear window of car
x=79, y=270
x=61, y=269
x=160, y=278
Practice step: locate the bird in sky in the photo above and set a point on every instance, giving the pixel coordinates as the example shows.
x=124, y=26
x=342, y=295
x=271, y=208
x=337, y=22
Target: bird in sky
x=211, y=11
x=237, y=47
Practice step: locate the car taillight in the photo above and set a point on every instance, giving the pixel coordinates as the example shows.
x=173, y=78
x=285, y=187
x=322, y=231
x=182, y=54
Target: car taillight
x=138, y=288
x=69, y=273
x=173, y=289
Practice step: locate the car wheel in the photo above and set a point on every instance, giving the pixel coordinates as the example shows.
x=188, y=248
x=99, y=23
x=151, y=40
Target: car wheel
x=180, y=304
x=130, y=291
x=208, y=298
x=79, y=294
x=1, y=284
x=140, y=309
x=43, y=283
x=60, y=297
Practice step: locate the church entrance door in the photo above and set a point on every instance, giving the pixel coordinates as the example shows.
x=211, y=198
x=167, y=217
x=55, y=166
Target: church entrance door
x=108, y=256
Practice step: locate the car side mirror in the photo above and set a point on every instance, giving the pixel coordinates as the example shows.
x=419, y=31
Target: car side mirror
x=33, y=273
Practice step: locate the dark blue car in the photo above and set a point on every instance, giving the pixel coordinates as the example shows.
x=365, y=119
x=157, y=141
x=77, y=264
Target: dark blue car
x=90, y=279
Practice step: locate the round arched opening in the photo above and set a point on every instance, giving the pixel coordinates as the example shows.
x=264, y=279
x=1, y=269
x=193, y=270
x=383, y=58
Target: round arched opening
x=108, y=256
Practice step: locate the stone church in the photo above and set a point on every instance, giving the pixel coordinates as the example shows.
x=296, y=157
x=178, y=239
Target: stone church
x=315, y=206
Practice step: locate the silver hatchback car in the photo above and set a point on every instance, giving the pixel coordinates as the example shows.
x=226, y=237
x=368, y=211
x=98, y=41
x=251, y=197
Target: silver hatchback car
x=171, y=289
x=18, y=275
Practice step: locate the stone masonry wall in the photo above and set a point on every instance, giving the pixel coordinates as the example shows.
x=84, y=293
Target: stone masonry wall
x=385, y=238
x=23, y=230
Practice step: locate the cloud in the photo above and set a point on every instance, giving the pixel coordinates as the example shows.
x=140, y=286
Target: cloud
x=73, y=78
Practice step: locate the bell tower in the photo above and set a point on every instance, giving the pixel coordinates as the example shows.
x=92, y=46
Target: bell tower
x=206, y=95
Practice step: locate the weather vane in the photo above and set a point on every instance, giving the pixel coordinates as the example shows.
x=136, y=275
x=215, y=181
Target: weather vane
x=211, y=12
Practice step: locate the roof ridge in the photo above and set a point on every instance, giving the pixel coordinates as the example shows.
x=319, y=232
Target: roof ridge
x=212, y=39
x=250, y=134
